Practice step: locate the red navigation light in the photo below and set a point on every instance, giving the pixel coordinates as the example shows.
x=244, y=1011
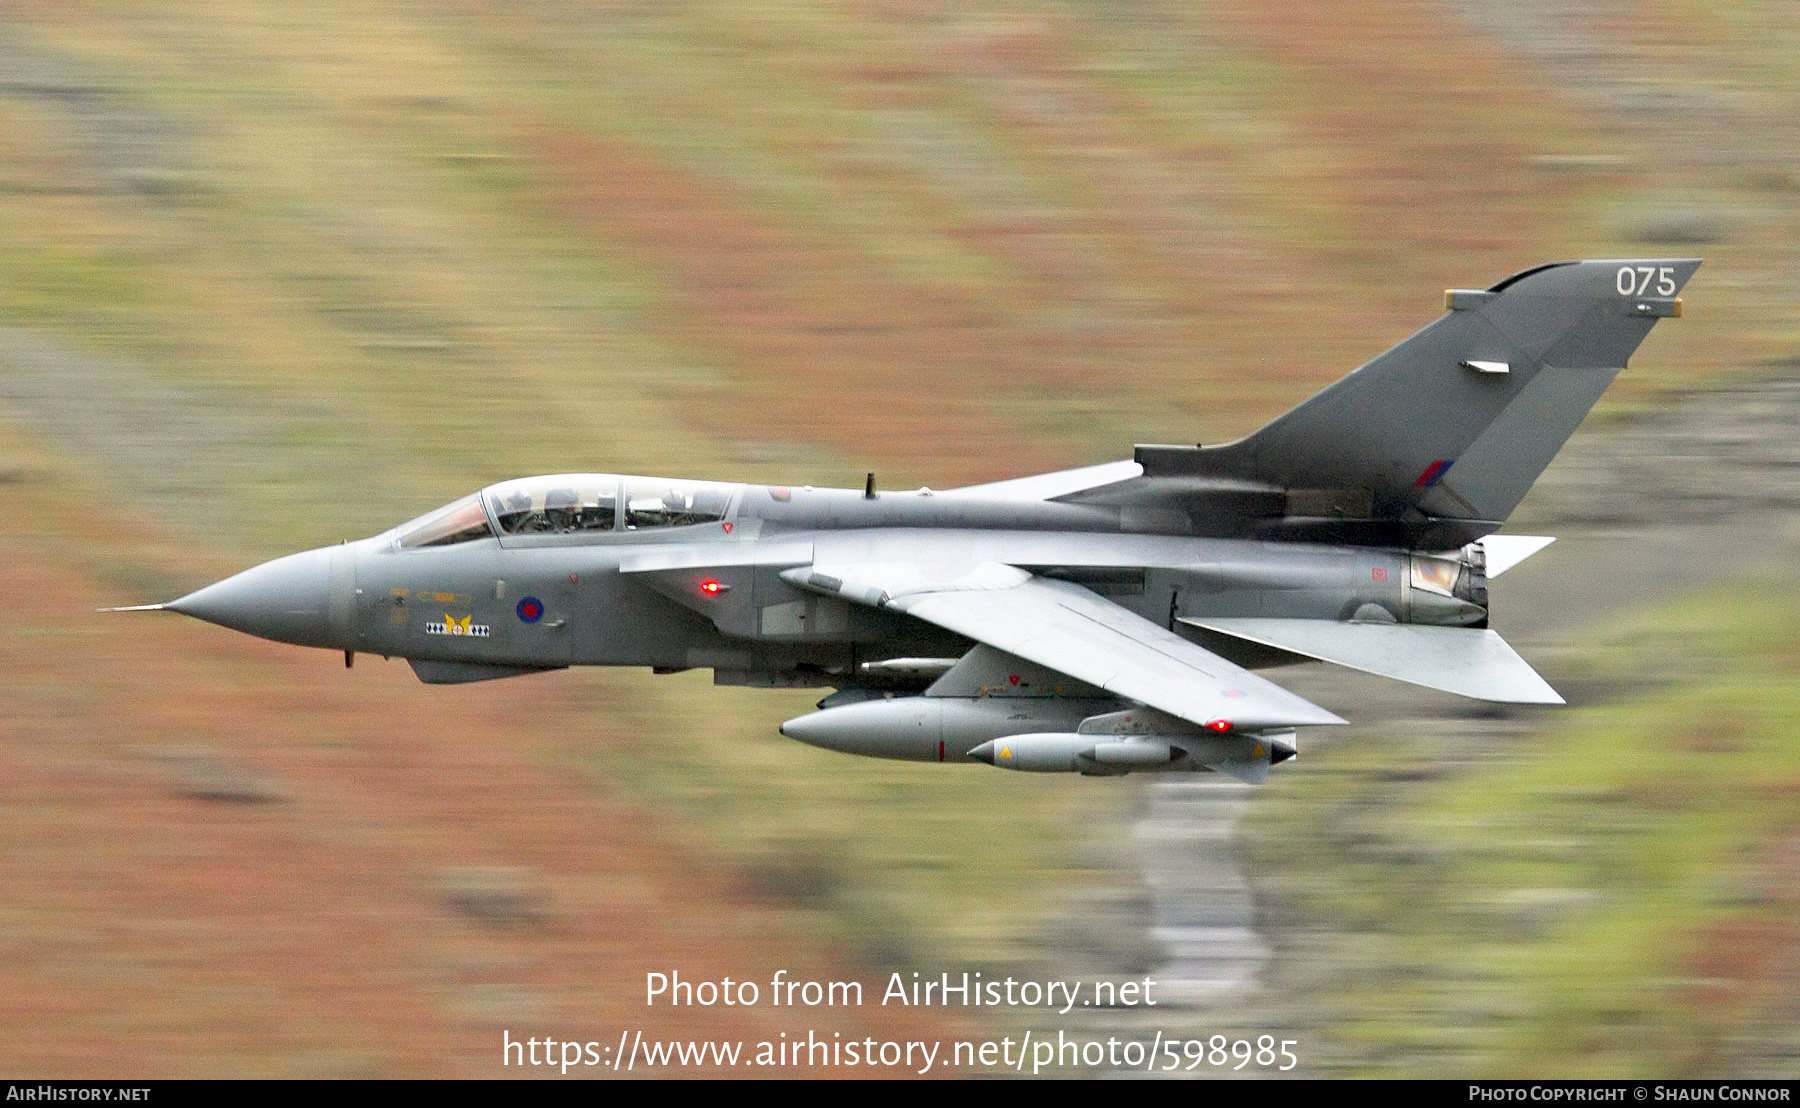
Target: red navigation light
x=711, y=587
x=1219, y=725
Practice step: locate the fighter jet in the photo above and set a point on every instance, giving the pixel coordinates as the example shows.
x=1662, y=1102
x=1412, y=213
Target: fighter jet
x=1102, y=620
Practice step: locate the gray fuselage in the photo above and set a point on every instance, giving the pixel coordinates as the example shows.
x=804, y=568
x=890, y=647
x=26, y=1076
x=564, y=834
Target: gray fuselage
x=623, y=597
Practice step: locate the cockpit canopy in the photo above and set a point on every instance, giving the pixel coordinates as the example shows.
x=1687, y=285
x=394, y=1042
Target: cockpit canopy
x=453, y=523
x=571, y=503
x=557, y=505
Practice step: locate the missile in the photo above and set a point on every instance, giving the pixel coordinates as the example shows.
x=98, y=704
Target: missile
x=1246, y=757
x=1075, y=753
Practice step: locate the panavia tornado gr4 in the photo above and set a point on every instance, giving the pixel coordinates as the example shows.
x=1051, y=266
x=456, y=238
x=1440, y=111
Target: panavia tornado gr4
x=1103, y=620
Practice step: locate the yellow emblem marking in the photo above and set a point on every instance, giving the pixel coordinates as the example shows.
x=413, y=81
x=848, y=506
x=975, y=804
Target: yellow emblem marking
x=1258, y=751
x=1006, y=752
x=458, y=627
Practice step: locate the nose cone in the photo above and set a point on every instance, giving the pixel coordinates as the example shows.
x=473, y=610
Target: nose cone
x=289, y=600
x=804, y=728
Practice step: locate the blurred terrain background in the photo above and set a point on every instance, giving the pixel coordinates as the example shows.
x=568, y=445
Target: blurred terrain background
x=276, y=275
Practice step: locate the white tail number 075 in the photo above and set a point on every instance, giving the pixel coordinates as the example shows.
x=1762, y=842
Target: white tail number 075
x=1636, y=280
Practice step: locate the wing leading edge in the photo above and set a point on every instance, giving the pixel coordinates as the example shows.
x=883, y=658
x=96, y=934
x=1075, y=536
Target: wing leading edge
x=1073, y=631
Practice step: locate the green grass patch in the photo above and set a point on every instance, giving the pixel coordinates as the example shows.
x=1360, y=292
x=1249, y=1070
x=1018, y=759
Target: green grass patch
x=1559, y=908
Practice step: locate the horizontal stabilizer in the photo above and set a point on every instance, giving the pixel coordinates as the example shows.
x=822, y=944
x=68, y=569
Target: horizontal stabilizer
x=1467, y=661
x=1507, y=551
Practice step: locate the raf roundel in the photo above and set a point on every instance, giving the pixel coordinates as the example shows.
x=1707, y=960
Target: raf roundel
x=531, y=609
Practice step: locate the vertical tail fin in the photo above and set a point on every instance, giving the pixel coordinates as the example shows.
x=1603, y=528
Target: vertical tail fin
x=1453, y=425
